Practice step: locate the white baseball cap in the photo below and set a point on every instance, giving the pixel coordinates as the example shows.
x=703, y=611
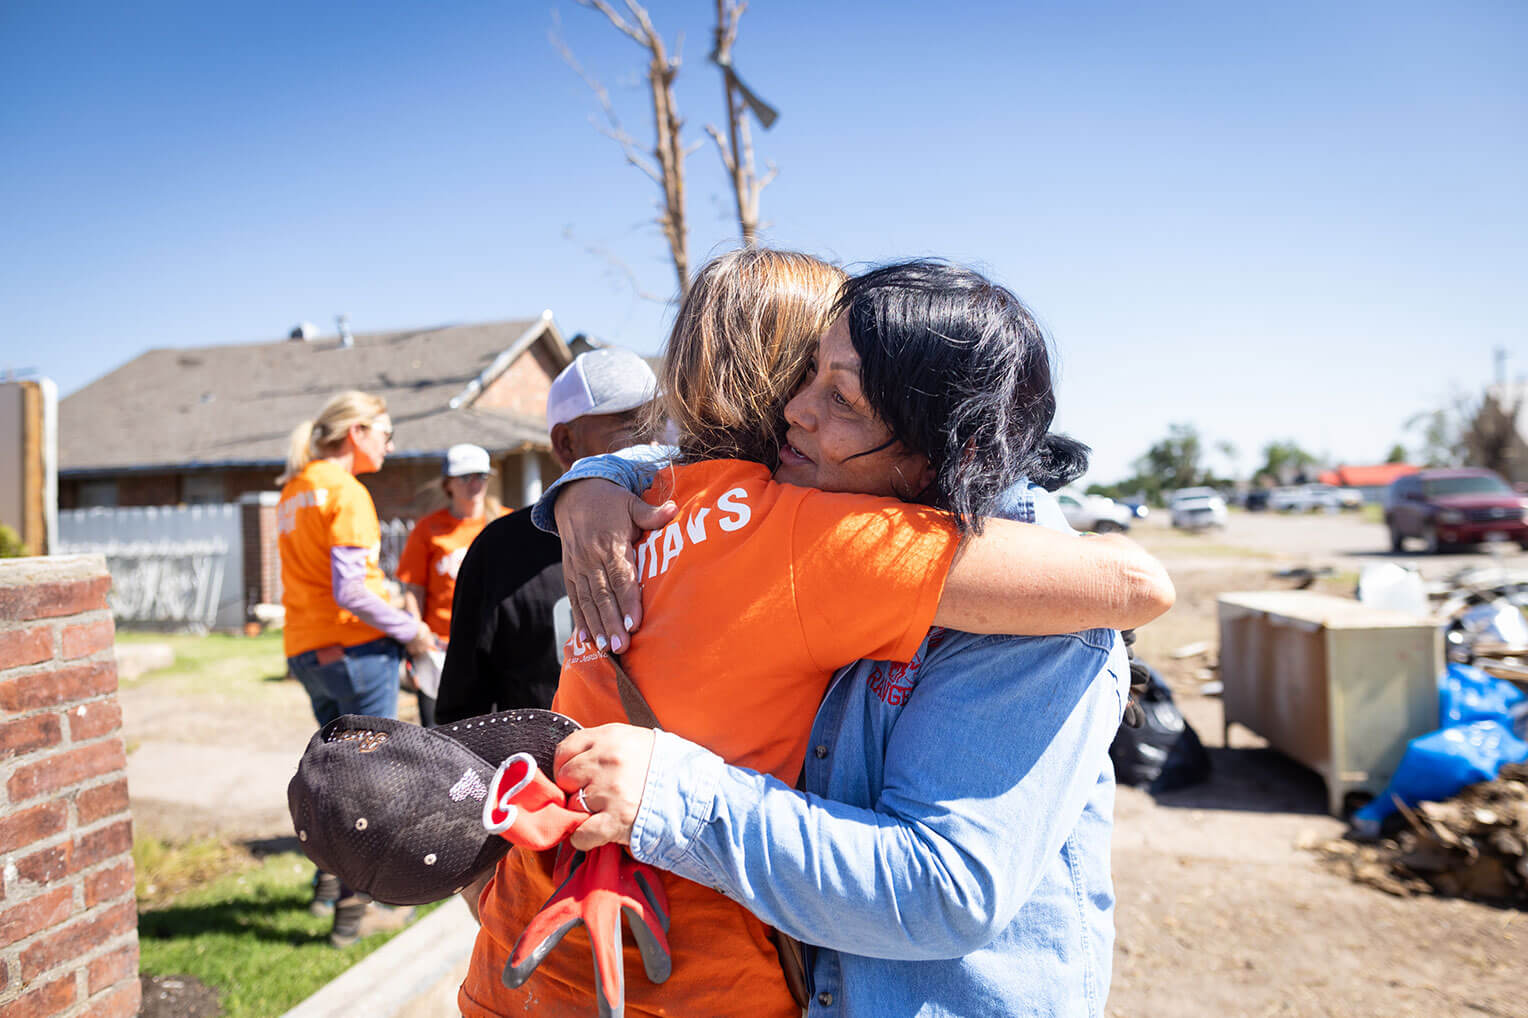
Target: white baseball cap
x=607, y=381
x=465, y=460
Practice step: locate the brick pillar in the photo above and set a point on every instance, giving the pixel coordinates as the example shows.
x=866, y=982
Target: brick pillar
x=262, y=557
x=68, y=918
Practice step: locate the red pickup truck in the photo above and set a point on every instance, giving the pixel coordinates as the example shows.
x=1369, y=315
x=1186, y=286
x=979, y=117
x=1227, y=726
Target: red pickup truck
x=1463, y=506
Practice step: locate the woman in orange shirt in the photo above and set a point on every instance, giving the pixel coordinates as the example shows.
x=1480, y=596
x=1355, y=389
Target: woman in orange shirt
x=434, y=552
x=343, y=640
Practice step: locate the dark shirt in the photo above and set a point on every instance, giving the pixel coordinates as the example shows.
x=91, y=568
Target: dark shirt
x=503, y=648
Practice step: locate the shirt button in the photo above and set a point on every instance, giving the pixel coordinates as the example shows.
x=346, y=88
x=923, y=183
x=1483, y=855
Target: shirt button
x=825, y=999
x=822, y=752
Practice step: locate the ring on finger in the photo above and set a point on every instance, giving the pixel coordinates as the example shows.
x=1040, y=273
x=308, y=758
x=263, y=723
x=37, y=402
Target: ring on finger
x=583, y=803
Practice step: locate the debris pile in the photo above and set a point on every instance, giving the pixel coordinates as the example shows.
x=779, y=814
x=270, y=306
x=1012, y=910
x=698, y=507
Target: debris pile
x=1474, y=845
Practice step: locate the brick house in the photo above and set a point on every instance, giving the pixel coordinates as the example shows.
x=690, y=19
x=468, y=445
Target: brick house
x=210, y=424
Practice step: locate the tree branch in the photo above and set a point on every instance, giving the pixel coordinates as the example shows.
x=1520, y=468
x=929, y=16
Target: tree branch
x=616, y=19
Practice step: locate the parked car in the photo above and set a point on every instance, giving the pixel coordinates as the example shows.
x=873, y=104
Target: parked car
x=1197, y=508
x=1256, y=500
x=1093, y=512
x=1463, y=506
x=1351, y=498
x=1292, y=499
x=1304, y=498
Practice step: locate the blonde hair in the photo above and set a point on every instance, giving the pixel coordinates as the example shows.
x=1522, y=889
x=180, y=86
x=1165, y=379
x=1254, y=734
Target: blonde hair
x=739, y=349
x=325, y=434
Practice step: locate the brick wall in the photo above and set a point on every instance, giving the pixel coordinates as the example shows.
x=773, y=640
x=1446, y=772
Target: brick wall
x=262, y=557
x=523, y=386
x=68, y=918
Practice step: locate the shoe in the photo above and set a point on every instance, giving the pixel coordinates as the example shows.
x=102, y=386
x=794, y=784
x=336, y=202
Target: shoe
x=326, y=891
x=358, y=917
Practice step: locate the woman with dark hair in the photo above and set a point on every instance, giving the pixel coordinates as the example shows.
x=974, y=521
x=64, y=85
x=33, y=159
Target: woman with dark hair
x=758, y=590
x=949, y=850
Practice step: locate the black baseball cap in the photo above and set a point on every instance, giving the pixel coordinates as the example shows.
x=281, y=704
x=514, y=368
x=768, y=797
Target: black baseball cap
x=396, y=811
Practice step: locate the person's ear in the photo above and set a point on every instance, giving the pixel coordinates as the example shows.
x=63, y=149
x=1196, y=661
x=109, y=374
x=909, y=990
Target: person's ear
x=562, y=445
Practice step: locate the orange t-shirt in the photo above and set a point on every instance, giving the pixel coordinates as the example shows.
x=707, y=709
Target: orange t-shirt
x=751, y=599
x=431, y=557
x=324, y=507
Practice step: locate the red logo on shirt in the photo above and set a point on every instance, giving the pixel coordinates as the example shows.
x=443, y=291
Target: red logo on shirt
x=893, y=682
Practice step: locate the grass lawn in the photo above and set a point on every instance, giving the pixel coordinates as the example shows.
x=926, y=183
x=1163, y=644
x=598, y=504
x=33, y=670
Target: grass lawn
x=239, y=924
x=233, y=666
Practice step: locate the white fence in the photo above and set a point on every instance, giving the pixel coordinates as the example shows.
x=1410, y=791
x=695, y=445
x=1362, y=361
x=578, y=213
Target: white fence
x=176, y=565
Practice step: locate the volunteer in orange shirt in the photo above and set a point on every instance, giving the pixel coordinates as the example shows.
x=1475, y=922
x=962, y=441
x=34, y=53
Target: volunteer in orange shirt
x=751, y=597
x=435, y=549
x=344, y=642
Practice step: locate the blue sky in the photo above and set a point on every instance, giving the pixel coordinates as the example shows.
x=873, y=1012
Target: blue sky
x=1301, y=221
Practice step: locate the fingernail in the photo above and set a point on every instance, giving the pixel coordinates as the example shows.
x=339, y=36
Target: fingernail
x=616, y=643
x=629, y=626
x=583, y=636
x=599, y=641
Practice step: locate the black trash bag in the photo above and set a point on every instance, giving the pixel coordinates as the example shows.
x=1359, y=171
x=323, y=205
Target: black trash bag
x=1164, y=751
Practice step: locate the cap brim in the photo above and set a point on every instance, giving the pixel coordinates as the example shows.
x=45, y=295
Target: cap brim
x=497, y=737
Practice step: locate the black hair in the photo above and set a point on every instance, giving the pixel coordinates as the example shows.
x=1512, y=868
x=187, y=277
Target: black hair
x=959, y=371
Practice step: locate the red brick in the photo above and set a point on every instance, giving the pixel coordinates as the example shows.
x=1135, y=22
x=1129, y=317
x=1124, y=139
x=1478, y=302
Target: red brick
x=30, y=826
x=80, y=641
x=101, y=801
x=41, y=913
x=67, y=768
x=48, y=865
x=109, y=883
x=51, y=600
x=45, y=1001
x=113, y=967
x=27, y=734
x=77, y=939
x=69, y=857
x=101, y=717
x=61, y=685
x=26, y=646
x=123, y=1002
x=98, y=846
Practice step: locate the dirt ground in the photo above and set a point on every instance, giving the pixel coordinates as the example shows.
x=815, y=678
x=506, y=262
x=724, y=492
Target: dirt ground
x=1220, y=914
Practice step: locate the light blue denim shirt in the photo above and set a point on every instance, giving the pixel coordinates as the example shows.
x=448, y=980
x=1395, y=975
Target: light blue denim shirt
x=950, y=852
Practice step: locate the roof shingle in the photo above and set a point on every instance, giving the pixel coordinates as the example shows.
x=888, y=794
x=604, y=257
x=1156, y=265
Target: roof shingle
x=237, y=404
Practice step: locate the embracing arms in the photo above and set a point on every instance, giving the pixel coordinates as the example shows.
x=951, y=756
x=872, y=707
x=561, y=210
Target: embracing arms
x=1013, y=578
x=932, y=867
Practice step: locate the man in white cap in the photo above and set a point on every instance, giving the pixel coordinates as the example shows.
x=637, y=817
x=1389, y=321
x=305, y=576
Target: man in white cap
x=503, y=651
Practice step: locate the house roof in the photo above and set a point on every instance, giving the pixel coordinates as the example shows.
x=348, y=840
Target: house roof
x=237, y=404
x=1366, y=477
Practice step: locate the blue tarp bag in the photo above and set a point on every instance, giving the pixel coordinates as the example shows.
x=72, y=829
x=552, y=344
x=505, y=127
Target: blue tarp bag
x=1437, y=765
x=1465, y=694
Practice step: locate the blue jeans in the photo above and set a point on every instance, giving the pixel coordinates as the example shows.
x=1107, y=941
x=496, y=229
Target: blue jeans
x=364, y=681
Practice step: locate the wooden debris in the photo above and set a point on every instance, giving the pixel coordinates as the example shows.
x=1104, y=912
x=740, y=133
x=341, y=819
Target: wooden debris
x=1474, y=845
x=1191, y=650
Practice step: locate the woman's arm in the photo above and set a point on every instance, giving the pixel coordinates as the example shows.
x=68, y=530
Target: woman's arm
x=1026, y=580
x=347, y=578
x=1014, y=578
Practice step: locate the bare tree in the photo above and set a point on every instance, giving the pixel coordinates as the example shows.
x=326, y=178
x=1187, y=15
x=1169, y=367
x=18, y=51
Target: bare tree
x=665, y=166
x=736, y=149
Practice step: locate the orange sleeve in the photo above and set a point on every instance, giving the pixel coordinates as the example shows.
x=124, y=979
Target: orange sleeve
x=414, y=563
x=868, y=575
x=354, y=524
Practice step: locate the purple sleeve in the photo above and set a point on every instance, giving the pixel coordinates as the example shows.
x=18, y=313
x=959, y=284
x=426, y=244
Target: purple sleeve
x=347, y=575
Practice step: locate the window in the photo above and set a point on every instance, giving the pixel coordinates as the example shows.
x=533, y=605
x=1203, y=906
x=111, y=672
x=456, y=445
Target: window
x=202, y=489
x=101, y=492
